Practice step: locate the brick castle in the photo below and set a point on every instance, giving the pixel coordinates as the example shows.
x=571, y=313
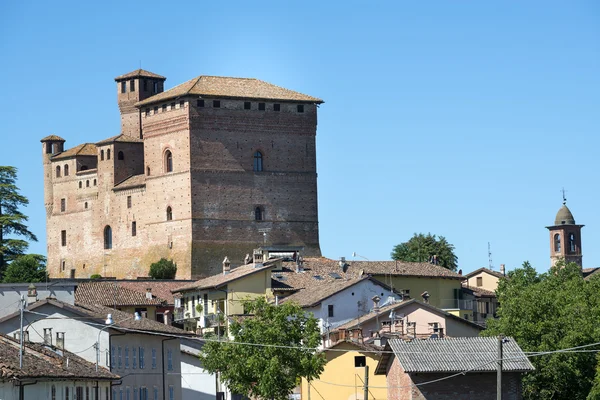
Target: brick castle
x=212, y=167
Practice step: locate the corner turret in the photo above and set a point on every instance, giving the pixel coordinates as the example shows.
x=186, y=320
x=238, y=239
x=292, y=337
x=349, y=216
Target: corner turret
x=51, y=145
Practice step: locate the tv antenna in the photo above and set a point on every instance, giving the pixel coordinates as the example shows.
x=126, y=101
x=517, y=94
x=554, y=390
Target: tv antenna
x=490, y=265
x=564, y=193
x=265, y=232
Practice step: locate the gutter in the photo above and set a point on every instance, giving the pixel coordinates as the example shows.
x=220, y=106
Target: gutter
x=22, y=389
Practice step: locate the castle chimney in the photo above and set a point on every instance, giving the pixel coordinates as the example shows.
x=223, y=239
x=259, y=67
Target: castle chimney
x=149, y=293
x=425, y=296
x=226, y=266
x=60, y=340
x=48, y=336
x=376, y=300
x=31, y=294
x=502, y=269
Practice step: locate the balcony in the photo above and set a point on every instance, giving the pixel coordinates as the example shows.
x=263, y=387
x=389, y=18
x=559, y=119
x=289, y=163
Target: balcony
x=456, y=304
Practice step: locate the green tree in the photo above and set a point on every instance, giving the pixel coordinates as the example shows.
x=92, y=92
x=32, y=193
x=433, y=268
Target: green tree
x=163, y=269
x=12, y=221
x=547, y=312
x=422, y=248
x=266, y=372
x=30, y=268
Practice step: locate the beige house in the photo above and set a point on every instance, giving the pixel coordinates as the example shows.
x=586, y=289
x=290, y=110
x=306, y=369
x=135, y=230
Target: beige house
x=484, y=278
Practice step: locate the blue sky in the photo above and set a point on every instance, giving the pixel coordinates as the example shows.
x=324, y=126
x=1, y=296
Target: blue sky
x=463, y=119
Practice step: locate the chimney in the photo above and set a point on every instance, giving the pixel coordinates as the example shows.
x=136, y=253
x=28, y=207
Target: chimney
x=149, y=293
x=166, y=317
x=376, y=303
x=502, y=269
x=247, y=259
x=299, y=264
x=31, y=294
x=48, y=336
x=258, y=256
x=226, y=266
x=60, y=340
x=425, y=296
x=25, y=336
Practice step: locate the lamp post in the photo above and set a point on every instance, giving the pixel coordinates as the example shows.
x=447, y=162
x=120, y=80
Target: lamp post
x=109, y=323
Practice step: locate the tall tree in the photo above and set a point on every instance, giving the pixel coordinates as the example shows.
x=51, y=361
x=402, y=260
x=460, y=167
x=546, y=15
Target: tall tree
x=12, y=220
x=30, y=268
x=547, y=312
x=267, y=372
x=423, y=248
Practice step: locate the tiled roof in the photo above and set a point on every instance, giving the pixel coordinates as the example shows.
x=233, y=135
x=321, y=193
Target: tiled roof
x=321, y=291
x=139, y=73
x=40, y=361
x=121, y=139
x=475, y=354
x=52, y=138
x=480, y=292
x=109, y=293
x=588, y=273
x=85, y=149
x=220, y=279
x=131, y=182
x=219, y=86
x=160, y=289
x=489, y=271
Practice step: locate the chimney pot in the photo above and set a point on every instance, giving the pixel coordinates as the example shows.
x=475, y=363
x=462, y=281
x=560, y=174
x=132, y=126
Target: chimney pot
x=60, y=340
x=226, y=266
x=149, y=293
x=425, y=296
x=502, y=269
x=48, y=336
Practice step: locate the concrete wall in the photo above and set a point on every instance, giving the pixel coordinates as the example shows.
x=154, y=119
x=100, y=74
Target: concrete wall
x=196, y=383
x=488, y=281
x=42, y=390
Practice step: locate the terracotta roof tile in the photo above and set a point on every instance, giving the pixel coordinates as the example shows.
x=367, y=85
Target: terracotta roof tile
x=109, y=293
x=52, y=138
x=588, y=273
x=139, y=73
x=320, y=291
x=160, y=289
x=489, y=271
x=85, y=149
x=131, y=182
x=219, y=86
x=480, y=292
x=121, y=139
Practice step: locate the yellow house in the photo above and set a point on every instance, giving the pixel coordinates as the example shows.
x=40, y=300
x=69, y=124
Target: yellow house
x=206, y=305
x=484, y=278
x=344, y=375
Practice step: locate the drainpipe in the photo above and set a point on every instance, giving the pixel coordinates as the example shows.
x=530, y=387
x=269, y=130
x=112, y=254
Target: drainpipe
x=22, y=389
x=162, y=343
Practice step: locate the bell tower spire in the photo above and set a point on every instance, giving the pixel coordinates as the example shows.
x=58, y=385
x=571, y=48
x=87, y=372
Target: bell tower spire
x=565, y=236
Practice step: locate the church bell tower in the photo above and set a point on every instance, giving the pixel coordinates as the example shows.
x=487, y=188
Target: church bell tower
x=565, y=237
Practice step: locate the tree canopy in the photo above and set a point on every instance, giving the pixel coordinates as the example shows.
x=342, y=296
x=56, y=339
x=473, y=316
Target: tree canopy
x=12, y=220
x=163, y=269
x=423, y=248
x=546, y=312
x=266, y=372
x=30, y=268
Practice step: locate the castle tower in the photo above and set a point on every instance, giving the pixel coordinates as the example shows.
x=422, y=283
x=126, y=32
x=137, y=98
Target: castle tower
x=51, y=145
x=133, y=87
x=565, y=237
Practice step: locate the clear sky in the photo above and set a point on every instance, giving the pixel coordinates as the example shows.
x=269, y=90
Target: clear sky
x=459, y=118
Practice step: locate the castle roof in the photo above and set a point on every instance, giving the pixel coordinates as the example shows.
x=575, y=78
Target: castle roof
x=120, y=139
x=53, y=138
x=219, y=86
x=85, y=149
x=131, y=182
x=564, y=216
x=139, y=73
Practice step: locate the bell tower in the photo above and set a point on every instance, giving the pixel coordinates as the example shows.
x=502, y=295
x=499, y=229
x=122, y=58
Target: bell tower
x=565, y=237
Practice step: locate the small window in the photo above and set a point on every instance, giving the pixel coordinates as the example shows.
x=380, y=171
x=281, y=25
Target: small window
x=300, y=108
x=53, y=392
x=85, y=205
x=217, y=103
x=133, y=228
x=134, y=358
x=67, y=393
x=101, y=155
x=153, y=358
x=120, y=155
x=80, y=184
x=155, y=87
x=132, y=85
x=479, y=281
x=170, y=360
x=182, y=104
x=58, y=171
x=126, y=357
x=330, y=310
x=94, y=182
x=148, y=171
x=155, y=109
x=63, y=238
x=276, y=107
x=108, y=154
x=66, y=168
x=258, y=161
x=145, y=85
x=168, y=161
x=147, y=112
x=87, y=183
x=128, y=201
x=258, y=214
x=142, y=361
x=200, y=103
x=571, y=241
x=169, y=214
x=247, y=105
x=63, y=205
x=108, y=237
x=172, y=106
x=261, y=106
x=164, y=107
x=557, y=243
x=360, y=361
x=123, y=87
x=63, y=264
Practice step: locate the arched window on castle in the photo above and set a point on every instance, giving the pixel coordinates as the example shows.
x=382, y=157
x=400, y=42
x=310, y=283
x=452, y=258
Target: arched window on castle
x=108, y=154
x=94, y=182
x=571, y=243
x=107, y=237
x=557, y=243
x=66, y=169
x=148, y=171
x=168, y=161
x=259, y=214
x=87, y=183
x=169, y=213
x=80, y=184
x=258, y=161
x=58, y=171
x=101, y=155
x=120, y=156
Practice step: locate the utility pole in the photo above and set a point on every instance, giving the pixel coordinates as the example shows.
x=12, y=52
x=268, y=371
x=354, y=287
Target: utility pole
x=366, y=382
x=21, y=333
x=499, y=369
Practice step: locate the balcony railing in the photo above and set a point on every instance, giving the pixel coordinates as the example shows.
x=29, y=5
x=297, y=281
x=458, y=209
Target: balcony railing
x=457, y=304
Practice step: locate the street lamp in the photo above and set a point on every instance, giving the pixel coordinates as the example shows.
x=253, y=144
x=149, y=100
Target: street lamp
x=109, y=322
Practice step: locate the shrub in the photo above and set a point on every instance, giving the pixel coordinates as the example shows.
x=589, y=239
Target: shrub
x=96, y=276
x=163, y=269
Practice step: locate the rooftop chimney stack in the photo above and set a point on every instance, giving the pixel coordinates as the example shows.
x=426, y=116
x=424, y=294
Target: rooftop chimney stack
x=247, y=259
x=149, y=293
x=425, y=296
x=48, y=336
x=31, y=294
x=60, y=340
x=376, y=300
x=226, y=266
x=502, y=269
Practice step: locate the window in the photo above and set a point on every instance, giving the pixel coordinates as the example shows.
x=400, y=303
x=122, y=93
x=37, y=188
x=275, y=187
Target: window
x=94, y=182
x=135, y=392
x=200, y=103
x=120, y=360
x=172, y=106
x=128, y=201
x=121, y=394
x=145, y=85
x=169, y=214
x=261, y=106
x=108, y=154
x=120, y=156
x=126, y=356
x=67, y=393
x=85, y=205
x=217, y=103
x=171, y=393
x=258, y=162
x=182, y=104
x=58, y=171
x=63, y=205
x=53, y=392
x=132, y=85
x=557, y=243
x=133, y=228
x=147, y=112
x=148, y=171
x=101, y=155
x=127, y=393
x=87, y=183
x=87, y=393
x=66, y=168
x=168, y=161
x=123, y=87
x=142, y=361
x=170, y=360
x=276, y=107
x=155, y=393
x=153, y=358
x=155, y=109
x=113, y=355
x=134, y=360
x=155, y=87
x=164, y=107
x=63, y=238
x=258, y=214
x=479, y=281
x=247, y=105
x=63, y=264
x=300, y=108
x=80, y=184
x=107, y=237
x=571, y=243
x=143, y=393
x=360, y=361
x=106, y=394
x=330, y=310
